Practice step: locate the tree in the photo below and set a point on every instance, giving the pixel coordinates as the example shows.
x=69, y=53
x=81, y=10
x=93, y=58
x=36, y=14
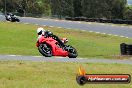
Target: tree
x=104, y=8
x=77, y=5
x=95, y=8
x=28, y=6
x=111, y=9
x=62, y=8
x=128, y=13
x=67, y=8
x=118, y=8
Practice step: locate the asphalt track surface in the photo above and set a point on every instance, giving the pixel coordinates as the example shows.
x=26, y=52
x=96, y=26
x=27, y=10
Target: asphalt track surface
x=60, y=59
x=95, y=27
x=125, y=31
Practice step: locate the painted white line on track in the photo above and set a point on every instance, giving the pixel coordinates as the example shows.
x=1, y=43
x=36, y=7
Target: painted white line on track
x=51, y=26
x=104, y=33
x=122, y=26
x=59, y=27
x=11, y=55
x=59, y=57
x=45, y=19
x=56, y=20
x=37, y=24
x=83, y=30
x=90, y=31
x=81, y=58
x=112, y=25
x=26, y=23
x=102, y=24
x=110, y=34
x=14, y=55
x=122, y=36
x=37, y=56
x=115, y=35
x=98, y=32
x=130, y=27
x=68, y=28
x=107, y=34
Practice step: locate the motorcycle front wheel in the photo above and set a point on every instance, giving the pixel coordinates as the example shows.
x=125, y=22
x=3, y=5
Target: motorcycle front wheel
x=17, y=20
x=45, y=50
x=72, y=52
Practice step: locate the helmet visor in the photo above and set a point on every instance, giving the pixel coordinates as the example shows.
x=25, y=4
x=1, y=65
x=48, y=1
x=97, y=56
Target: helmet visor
x=40, y=32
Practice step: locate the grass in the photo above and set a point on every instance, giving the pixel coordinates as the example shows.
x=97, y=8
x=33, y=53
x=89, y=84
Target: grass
x=22, y=74
x=20, y=39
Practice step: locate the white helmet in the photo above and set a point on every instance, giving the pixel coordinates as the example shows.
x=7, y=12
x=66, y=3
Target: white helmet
x=40, y=31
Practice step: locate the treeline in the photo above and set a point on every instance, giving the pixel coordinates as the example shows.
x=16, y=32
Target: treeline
x=26, y=6
x=110, y=9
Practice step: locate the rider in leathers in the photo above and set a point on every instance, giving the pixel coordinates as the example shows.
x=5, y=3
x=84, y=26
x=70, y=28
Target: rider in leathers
x=41, y=32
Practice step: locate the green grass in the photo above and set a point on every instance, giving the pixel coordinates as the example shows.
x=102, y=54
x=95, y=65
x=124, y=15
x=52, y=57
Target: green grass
x=20, y=39
x=22, y=74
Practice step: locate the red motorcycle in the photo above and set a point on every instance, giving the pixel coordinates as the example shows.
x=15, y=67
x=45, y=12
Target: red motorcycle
x=49, y=47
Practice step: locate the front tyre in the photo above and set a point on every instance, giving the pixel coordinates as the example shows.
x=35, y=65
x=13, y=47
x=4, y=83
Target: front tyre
x=45, y=50
x=18, y=20
x=72, y=52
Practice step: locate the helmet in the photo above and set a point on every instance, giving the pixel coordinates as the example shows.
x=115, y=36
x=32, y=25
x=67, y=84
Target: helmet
x=40, y=31
x=49, y=32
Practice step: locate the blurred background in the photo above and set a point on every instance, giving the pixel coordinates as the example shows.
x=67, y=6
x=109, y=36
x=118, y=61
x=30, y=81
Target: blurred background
x=129, y=2
x=105, y=9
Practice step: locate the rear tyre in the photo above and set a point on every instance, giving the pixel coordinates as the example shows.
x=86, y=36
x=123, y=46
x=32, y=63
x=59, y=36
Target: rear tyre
x=45, y=50
x=72, y=52
x=12, y=20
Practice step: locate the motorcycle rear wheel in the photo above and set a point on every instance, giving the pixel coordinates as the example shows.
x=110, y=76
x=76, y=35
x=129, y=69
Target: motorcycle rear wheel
x=45, y=50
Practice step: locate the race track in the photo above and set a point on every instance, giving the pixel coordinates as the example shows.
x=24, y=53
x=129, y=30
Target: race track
x=96, y=27
x=61, y=59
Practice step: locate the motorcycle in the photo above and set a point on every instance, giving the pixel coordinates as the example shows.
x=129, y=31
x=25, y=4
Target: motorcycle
x=12, y=18
x=49, y=47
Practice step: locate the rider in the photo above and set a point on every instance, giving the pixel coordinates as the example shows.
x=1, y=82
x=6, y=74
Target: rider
x=8, y=15
x=42, y=32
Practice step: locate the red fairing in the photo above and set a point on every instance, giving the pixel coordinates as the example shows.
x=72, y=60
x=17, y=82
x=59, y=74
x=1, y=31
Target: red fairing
x=56, y=50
